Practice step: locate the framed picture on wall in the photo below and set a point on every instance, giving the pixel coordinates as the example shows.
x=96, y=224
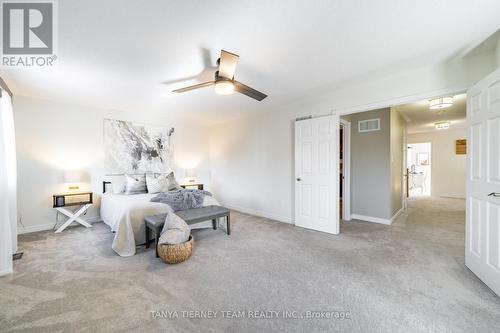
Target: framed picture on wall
x=461, y=147
x=423, y=158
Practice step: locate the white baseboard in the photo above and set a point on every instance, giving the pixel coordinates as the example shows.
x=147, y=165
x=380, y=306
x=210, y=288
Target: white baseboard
x=260, y=213
x=452, y=196
x=6, y=271
x=370, y=219
x=44, y=227
x=377, y=219
x=34, y=228
x=395, y=216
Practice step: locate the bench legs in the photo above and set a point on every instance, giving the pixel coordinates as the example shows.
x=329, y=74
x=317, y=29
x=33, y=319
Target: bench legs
x=157, y=238
x=215, y=222
x=148, y=239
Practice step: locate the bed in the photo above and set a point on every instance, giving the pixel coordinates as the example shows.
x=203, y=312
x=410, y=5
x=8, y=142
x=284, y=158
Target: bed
x=125, y=214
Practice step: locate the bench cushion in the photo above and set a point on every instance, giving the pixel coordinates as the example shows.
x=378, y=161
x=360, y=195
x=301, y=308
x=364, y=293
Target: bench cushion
x=191, y=216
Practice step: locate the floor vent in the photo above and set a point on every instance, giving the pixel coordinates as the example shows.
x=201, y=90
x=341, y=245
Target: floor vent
x=369, y=125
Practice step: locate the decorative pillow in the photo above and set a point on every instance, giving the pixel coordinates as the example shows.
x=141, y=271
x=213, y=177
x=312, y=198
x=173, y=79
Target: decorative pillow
x=118, y=185
x=135, y=184
x=175, y=230
x=161, y=182
x=174, y=185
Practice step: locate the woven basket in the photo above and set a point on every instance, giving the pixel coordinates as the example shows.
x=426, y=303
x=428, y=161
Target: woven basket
x=174, y=254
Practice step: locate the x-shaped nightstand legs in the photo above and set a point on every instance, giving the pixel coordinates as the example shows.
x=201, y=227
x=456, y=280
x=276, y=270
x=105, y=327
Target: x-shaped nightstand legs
x=73, y=217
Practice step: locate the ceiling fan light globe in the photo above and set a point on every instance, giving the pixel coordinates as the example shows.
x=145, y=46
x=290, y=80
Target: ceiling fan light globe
x=224, y=88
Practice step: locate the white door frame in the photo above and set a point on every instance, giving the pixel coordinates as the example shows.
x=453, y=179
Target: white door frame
x=404, y=203
x=346, y=170
x=400, y=100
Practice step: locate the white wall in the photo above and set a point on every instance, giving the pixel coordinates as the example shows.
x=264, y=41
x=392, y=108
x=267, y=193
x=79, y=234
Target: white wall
x=54, y=137
x=251, y=158
x=448, y=170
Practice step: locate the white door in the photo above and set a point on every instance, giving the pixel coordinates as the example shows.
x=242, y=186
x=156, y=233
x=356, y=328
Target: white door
x=482, y=234
x=317, y=174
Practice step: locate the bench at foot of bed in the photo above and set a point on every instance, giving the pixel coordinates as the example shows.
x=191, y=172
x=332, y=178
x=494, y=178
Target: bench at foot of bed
x=191, y=216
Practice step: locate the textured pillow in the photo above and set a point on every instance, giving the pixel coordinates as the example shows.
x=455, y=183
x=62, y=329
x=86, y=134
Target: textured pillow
x=175, y=230
x=118, y=185
x=135, y=184
x=174, y=185
x=161, y=182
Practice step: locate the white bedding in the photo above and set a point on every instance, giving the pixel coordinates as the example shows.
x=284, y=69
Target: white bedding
x=125, y=215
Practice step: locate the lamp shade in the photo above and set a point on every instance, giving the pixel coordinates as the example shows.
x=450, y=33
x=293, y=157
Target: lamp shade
x=190, y=173
x=73, y=176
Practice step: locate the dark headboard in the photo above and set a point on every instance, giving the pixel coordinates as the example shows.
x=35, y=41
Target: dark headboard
x=104, y=183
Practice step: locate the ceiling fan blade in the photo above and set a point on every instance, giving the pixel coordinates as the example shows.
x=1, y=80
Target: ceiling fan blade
x=227, y=65
x=250, y=92
x=196, y=86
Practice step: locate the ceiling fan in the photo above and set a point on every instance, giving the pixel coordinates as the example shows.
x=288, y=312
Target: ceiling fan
x=224, y=82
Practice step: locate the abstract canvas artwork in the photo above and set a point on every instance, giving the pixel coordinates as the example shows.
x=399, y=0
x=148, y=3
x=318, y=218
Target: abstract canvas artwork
x=136, y=148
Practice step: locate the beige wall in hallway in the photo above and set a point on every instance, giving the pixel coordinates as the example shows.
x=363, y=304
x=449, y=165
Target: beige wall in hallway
x=448, y=170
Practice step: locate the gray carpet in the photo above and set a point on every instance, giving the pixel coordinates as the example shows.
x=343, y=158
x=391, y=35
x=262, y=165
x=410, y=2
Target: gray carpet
x=407, y=277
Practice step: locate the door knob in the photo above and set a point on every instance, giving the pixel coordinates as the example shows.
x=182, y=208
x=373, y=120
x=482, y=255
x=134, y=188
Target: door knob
x=299, y=179
x=494, y=194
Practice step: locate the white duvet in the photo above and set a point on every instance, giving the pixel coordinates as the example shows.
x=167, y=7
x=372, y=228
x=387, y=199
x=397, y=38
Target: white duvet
x=125, y=216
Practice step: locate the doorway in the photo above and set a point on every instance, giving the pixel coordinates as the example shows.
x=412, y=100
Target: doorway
x=419, y=169
x=344, y=170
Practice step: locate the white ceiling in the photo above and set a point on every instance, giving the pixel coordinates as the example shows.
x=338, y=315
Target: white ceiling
x=421, y=119
x=118, y=54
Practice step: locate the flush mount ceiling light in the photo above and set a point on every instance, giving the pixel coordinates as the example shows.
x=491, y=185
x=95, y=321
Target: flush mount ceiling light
x=224, y=87
x=440, y=103
x=442, y=125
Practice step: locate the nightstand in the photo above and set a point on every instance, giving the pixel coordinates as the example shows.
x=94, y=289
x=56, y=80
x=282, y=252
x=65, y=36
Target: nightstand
x=63, y=200
x=198, y=185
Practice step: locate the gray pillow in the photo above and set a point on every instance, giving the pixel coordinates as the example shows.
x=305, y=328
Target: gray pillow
x=135, y=184
x=173, y=184
x=157, y=183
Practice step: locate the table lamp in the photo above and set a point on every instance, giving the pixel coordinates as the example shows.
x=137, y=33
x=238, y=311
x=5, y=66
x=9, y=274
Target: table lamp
x=73, y=178
x=191, y=175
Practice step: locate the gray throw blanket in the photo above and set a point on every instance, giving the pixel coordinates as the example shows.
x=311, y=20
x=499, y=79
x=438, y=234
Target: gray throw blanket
x=182, y=199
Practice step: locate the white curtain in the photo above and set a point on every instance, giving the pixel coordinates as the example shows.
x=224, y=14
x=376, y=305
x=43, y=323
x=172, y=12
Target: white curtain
x=8, y=185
